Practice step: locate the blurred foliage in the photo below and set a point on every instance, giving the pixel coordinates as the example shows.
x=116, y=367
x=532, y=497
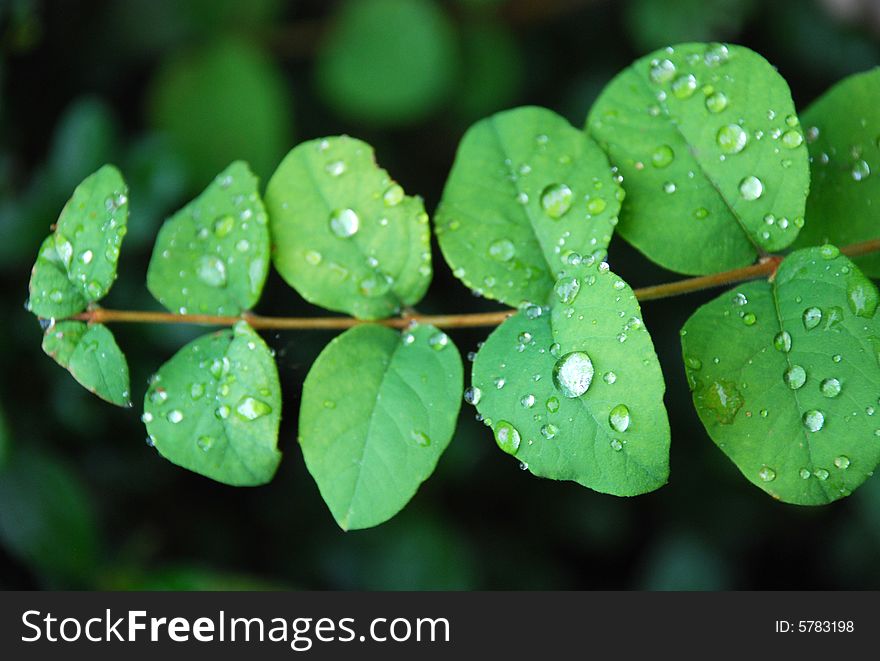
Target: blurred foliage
x=171, y=91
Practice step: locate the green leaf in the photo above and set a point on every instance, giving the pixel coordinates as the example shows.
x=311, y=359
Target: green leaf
x=387, y=61
x=212, y=256
x=576, y=392
x=86, y=136
x=378, y=410
x=711, y=153
x=225, y=101
x=47, y=519
x=842, y=135
x=215, y=407
x=93, y=358
x=526, y=193
x=345, y=235
x=785, y=377
x=76, y=264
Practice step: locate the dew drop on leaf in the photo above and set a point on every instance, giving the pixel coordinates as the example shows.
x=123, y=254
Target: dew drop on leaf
x=556, y=200
x=421, y=438
x=732, y=139
x=662, y=156
x=842, y=462
x=716, y=102
x=344, y=223
x=567, y=289
x=212, y=271
x=830, y=387
x=795, y=377
x=502, y=250
x=573, y=374
x=507, y=437
x=813, y=420
x=251, y=408
x=619, y=418
x=175, y=416
x=812, y=317
x=751, y=188
x=782, y=341
x=472, y=395
x=767, y=474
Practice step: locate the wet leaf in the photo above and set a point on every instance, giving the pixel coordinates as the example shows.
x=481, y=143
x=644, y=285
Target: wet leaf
x=346, y=237
x=215, y=407
x=378, y=410
x=528, y=194
x=785, y=377
x=212, y=256
x=713, y=158
x=387, y=61
x=76, y=264
x=843, y=129
x=91, y=355
x=576, y=392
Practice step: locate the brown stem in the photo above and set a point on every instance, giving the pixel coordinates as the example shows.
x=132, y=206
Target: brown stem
x=764, y=268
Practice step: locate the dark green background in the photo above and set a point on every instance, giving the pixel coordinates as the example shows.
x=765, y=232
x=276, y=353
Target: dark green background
x=84, y=503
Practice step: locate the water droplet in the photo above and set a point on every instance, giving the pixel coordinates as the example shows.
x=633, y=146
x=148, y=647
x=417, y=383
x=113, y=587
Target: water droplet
x=335, y=168
x=549, y=431
x=732, y=138
x=662, y=71
x=795, y=377
x=812, y=317
x=861, y=295
x=669, y=187
x=243, y=245
x=197, y=390
x=567, y=289
x=421, y=438
x=860, y=170
x=212, y=271
x=596, y=206
x=822, y=474
x=573, y=373
x=175, y=416
x=749, y=318
x=438, y=341
x=609, y=378
x=147, y=417
x=722, y=398
x=313, y=257
x=527, y=401
x=792, y=139
x=684, y=86
x=393, y=195
x=700, y=213
x=813, y=420
x=828, y=251
x=205, y=443
x=782, y=341
x=842, y=462
x=830, y=387
x=751, y=188
x=502, y=250
x=552, y=404
x=767, y=474
x=223, y=226
x=716, y=102
x=804, y=473
x=556, y=200
x=662, y=156
x=499, y=382
x=472, y=395
x=87, y=257
x=344, y=223
x=507, y=437
x=251, y=408
x=619, y=418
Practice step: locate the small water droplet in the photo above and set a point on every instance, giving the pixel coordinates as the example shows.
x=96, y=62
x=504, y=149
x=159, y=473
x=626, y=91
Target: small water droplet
x=224, y=225
x=527, y=401
x=211, y=270
x=175, y=416
x=616, y=445
x=782, y=341
x=795, y=377
x=716, y=102
x=751, y=188
x=313, y=257
x=860, y=170
x=619, y=418
x=549, y=431
x=749, y=318
x=861, y=296
x=438, y=341
x=421, y=438
x=502, y=250
x=472, y=395
x=393, y=195
x=830, y=387
x=567, y=289
x=812, y=317
x=767, y=474
x=732, y=139
x=684, y=86
x=792, y=139
x=552, y=404
x=842, y=462
x=205, y=443
x=662, y=156
x=821, y=473
x=662, y=71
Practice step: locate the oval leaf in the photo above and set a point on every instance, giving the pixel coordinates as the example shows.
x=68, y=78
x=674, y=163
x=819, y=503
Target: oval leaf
x=76, y=264
x=91, y=355
x=785, y=377
x=378, y=410
x=215, y=407
x=212, y=256
x=711, y=153
x=346, y=237
x=842, y=131
x=526, y=191
x=576, y=392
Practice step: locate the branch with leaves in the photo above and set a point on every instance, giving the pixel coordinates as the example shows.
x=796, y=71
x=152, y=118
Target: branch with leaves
x=694, y=154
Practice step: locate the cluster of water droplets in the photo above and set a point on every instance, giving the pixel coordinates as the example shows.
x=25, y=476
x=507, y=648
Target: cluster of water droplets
x=214, y=386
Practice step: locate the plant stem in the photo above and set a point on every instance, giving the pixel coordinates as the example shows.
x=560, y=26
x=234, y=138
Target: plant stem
x=765, y=268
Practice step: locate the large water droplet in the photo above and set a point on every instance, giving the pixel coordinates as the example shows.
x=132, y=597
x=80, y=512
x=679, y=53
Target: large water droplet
x=716, y=102
x=619, y=418
x=472, y=395
x=751, y=188
x=344, y=223
x=573, y=373
x=684, y=86
x=556, y=200
x=507, y=437
x=782, y=341
x=567, y=289
x=861, y=295
x=251, y=408
x=732, y=138
x=502, y=250
x=813, y=420
x=795, y=377
x=830, y=387
x=812, y=317
x=212, y=271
